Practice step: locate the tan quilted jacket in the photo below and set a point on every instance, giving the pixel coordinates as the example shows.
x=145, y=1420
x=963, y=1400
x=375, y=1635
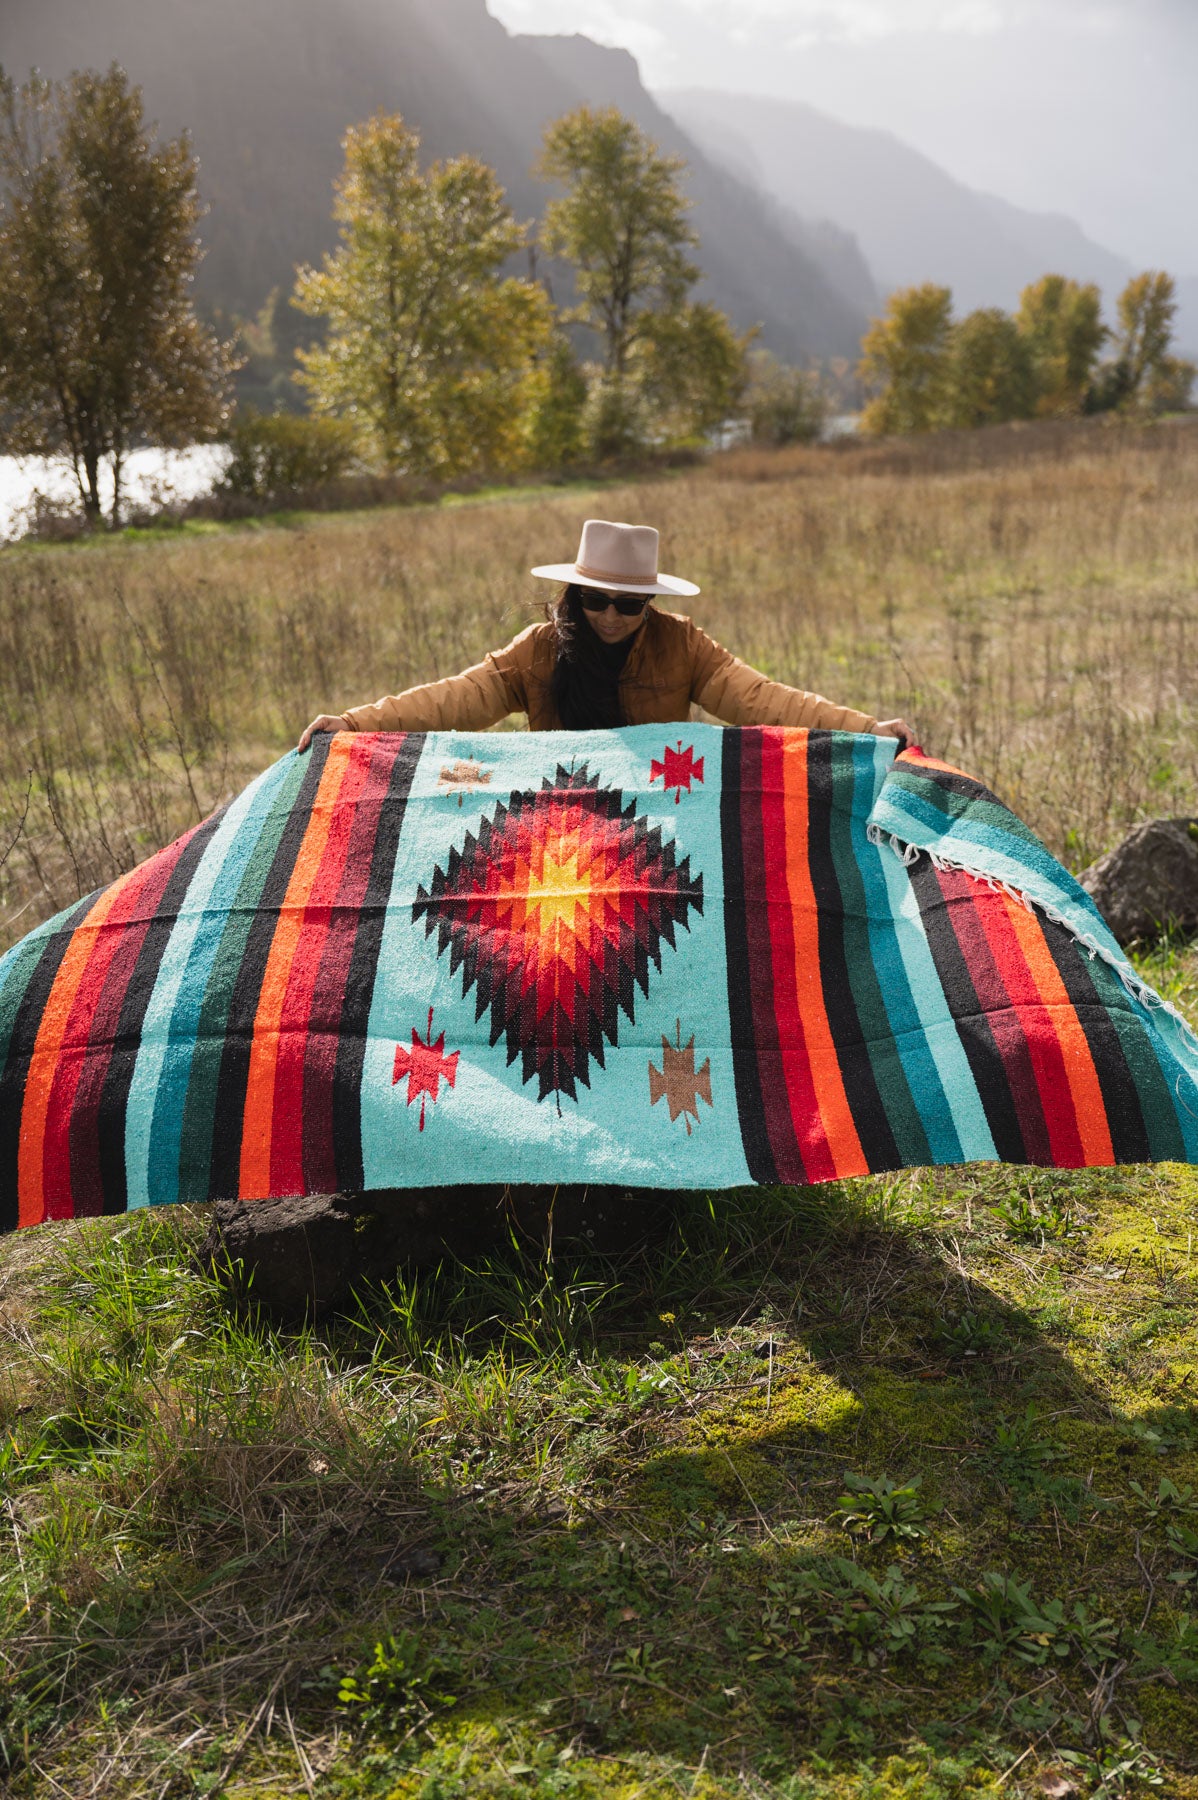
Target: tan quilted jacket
x=670, y=665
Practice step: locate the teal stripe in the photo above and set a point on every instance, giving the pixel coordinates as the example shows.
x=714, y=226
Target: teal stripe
x=1178, y=1067
x=981, y=805
x=1001, y=856
x=18, y=964
x=16, y=972
x=1140, y=1041
x=933, y=1056
x=192, y=1105
x=163, y=1068
x=853, y=763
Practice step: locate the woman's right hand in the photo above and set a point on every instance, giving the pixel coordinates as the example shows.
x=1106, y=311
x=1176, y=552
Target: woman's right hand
x=322, y=722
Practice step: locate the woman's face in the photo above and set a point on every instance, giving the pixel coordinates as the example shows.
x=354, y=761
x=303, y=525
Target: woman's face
x=612, y=626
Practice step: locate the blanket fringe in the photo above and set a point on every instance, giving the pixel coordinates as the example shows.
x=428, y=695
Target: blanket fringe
x=1135, y=986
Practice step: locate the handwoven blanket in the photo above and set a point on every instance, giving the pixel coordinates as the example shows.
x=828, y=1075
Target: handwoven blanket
x=693, y=960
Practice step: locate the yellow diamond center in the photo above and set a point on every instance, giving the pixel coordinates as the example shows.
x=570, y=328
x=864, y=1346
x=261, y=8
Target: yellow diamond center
x=556, y=891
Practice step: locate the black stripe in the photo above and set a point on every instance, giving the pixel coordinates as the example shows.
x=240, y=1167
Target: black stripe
x=1129, y=1133
x=750, y=1105
x=950, y=782
x=973, y=1027
x=228, y=1119
x=359, y=987
x=852, y=1052
x=114, y=1098
x=20, y=1054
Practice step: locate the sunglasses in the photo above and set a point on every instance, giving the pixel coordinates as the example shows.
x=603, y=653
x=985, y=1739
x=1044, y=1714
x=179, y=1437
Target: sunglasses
x=627, y=605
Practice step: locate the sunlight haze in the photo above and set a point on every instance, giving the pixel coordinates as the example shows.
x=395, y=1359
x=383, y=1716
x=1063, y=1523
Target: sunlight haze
x=1075, y=106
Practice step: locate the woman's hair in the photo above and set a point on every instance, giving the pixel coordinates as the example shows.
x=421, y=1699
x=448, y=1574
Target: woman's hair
x=585, y=685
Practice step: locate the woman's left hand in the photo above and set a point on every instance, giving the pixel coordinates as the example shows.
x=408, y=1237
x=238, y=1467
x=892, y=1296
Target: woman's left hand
x=897, y=728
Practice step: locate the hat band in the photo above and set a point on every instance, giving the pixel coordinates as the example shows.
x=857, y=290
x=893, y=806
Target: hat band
x=623, y=579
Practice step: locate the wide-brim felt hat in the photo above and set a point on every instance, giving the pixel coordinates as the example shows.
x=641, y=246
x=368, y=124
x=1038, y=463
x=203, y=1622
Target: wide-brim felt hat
x=612, y=555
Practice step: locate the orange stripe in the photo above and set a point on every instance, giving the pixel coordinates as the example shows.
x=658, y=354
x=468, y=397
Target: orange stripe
x=258, y=1120
x=923, y=761
x=44, y=1063
x=836, y=1115
x=1084, y=1086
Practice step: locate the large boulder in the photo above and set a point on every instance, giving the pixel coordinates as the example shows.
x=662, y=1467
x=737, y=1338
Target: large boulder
x=1149, y=883
x=307, y=1255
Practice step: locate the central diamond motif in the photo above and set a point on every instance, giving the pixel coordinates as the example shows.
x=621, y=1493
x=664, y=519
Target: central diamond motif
x=554, y=913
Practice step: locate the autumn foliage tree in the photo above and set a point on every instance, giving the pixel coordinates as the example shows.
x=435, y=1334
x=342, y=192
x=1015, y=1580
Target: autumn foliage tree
x=671, y=367
x=690, y=366
x=1061, y=323
x=427, y=350
x=989, y=378
x=622, y=225
x=904, y=358
x=100, y=347
x=1145, y=375
x=927, y=371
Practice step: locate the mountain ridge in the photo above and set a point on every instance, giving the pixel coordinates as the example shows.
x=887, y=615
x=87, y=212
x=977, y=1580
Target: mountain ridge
x=267, y=90
x=913, y=220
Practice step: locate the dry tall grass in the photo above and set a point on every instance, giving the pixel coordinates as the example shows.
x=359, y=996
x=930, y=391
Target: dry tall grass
x=1029, y=598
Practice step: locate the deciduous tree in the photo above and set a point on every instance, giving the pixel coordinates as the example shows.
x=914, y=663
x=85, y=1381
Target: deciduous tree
x=905, y=356
x=1061, y=322
x=1144, y=375
x=784, y=405
x=100, y=347
x=990, y=376
x=554, y=402
x=622, y=223
x=426, y=348
x=690, y=366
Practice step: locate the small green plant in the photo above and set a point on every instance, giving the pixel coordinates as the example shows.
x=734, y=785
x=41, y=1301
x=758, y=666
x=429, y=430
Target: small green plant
x=880, y=1510
x=876, y=1619
x=1008, y=1620
x=1167, y=1431
x=970, y=1335
x=639, y=1663
x=1021, y=1449
x=883, y=1619
x=1184, y=1543
x=1169, y=1501
x=1117, y=1766
x=397, y=1688
x=1043, y=1221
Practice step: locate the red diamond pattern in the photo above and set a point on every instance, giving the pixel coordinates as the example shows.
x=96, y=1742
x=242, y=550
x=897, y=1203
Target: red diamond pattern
x=555, y=912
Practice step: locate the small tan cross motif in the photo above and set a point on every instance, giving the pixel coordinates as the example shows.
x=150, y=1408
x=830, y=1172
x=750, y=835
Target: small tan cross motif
x=678, y=1081
x=463, y=778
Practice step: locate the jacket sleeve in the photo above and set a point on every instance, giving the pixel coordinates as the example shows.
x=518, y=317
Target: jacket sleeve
x=739, y=695
x=478, y=697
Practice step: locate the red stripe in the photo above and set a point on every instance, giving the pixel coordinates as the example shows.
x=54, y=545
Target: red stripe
x=136, y=915
x=1039, y=1030
x=295, y=1019
x=763, y=835
x=816, y=1162
x=968, y=902
x=328, y=993
x=74, y=1046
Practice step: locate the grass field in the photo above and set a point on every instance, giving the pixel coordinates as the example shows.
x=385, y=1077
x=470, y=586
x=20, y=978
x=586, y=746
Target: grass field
x=887, y=1490
x=1028, y=596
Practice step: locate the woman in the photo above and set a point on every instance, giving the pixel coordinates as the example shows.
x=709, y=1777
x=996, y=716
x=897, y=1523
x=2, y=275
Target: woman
x=606, y=656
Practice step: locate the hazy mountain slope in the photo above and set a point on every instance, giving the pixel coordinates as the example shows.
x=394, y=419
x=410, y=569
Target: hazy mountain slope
x=267, y=88
x=750, y=235
x=913, y=221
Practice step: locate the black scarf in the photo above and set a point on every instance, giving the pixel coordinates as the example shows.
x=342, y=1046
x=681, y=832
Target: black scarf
x=586, y=672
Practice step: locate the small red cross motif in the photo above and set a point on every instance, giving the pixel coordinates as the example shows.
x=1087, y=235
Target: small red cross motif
x=424, y=1064
x=678, y=770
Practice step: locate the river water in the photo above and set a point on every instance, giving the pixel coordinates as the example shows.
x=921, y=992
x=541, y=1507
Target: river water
x=151, y=477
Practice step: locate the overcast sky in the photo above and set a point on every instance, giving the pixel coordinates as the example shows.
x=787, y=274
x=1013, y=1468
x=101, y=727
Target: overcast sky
x=1078, y=106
